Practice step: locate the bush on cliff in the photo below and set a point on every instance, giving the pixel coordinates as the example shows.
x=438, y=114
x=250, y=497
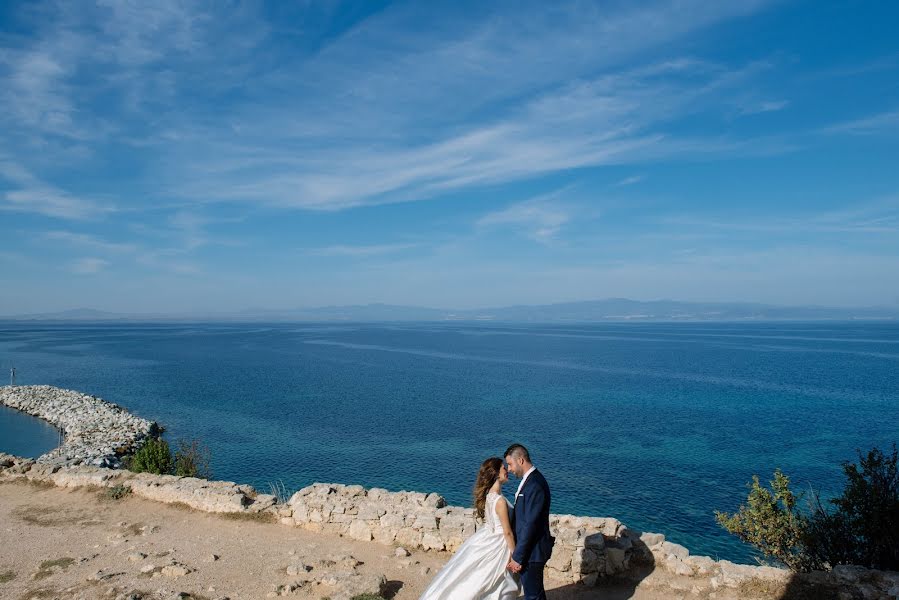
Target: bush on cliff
x=153, y=457
x=191, y=459
x=861, y=529
x=771, y=521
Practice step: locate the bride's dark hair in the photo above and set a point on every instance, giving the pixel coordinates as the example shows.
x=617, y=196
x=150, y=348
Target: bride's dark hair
x=487, y=476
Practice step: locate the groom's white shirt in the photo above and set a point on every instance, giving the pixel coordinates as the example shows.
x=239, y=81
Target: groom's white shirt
x=521, y=485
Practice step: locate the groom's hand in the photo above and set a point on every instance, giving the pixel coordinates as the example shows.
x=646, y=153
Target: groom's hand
x=514, y=566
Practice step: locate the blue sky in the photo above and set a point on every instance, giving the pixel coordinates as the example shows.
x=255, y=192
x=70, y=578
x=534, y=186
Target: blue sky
x=170, y=156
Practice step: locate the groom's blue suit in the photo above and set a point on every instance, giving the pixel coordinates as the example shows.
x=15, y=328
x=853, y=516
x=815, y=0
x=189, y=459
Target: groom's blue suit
x=534, y=543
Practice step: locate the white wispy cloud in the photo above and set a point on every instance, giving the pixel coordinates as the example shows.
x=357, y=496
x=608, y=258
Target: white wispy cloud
x=383, y=113
x=168, y=260
x=879, y=216
x=17, y=259
x=360, y=251
x=49, y=201
x=158, y=119
x=609, y=120
x=631, y=180
x=878, y=124
x=764, y=106
x=52, y=202
x=190, y=227
x=90, y=241
x=30, y=194
x=89, y=266
x=539, y=218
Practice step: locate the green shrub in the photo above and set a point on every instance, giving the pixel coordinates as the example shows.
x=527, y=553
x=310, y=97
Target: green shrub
x=116, y=492
x=153, y=457
x=192, y=459
x=862, y=528
x=771, y=521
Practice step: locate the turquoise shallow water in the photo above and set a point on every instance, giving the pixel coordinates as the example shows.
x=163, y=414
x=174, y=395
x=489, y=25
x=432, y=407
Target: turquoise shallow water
x=656, y=424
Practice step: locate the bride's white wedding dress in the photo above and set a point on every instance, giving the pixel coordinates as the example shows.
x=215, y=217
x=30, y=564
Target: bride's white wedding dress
x=477, y=571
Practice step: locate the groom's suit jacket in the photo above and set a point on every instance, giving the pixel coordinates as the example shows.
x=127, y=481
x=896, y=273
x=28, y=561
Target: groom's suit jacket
x=530, y=522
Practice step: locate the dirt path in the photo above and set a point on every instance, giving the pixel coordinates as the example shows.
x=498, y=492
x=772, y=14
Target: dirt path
x=59, y=543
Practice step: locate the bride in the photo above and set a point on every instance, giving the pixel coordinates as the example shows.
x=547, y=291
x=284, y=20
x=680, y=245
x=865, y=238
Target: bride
x=477, y=571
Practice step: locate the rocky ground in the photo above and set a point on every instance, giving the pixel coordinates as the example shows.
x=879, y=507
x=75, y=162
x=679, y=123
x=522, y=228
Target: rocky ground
x=80, y=543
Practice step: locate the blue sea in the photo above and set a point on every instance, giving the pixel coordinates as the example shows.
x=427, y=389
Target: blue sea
x=658, y=425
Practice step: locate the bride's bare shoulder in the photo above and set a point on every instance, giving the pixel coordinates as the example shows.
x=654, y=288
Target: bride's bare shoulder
x=501, y=506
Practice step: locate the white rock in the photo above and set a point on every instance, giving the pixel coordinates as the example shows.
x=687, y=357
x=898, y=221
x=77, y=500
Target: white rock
x=175, y=570
x=429, y=541
x=360, y=531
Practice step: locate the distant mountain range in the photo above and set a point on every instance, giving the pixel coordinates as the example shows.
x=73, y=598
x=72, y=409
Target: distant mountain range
x=612, y=309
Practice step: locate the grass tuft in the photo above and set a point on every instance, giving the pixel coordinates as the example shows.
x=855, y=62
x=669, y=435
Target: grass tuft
x=35, y=483
x=41, y=516
x=116, y=492
x=279, y=491
x=48, y=567
x=258, y=517
x=59, y=562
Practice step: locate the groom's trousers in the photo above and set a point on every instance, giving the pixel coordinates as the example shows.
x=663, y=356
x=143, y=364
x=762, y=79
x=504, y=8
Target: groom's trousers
x=532, y=581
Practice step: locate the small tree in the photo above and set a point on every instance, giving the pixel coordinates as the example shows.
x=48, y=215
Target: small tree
x=861, y=529
x=192, y=459
x=771, y=522
x=153, y=457
x=864, y=527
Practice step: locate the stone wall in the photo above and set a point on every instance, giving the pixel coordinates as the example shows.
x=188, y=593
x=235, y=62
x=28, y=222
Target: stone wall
x=96, y=432
x=199, y=494
x=588, y=550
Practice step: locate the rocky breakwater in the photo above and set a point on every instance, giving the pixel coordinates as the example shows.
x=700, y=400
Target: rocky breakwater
x=96, y=432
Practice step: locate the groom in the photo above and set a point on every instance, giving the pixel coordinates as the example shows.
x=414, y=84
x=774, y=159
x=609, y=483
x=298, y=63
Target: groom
x=530, y=521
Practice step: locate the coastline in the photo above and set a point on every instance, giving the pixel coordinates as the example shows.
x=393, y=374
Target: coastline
x=589, y=551
x=95, y=431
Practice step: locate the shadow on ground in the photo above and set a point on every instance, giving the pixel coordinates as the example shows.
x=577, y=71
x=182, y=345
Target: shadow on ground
x=618, y=588
x=610, y=589
x=817, y=586
x=392, y=588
